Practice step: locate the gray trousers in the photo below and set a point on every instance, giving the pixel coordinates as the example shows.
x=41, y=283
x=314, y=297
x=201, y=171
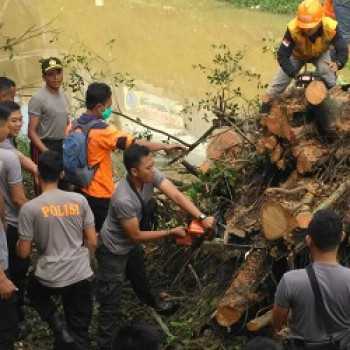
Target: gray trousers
x=111, y=276
x=282, y=80
x=112, y=271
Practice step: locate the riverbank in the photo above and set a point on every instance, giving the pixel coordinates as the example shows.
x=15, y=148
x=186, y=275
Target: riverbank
x=274, y=6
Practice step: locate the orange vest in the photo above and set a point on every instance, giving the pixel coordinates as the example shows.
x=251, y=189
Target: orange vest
x=304, y=48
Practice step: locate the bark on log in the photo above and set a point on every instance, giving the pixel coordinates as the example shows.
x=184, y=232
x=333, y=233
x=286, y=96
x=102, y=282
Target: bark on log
x=260, y=322
x=243, y=290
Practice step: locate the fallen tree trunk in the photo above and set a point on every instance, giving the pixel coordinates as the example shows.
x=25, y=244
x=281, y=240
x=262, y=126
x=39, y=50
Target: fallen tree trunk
x=243, y=291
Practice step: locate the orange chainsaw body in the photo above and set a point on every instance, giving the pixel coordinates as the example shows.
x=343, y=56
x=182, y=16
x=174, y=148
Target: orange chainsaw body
x=194, y=229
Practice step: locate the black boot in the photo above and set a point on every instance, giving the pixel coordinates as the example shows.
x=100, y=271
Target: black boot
x=63, y=340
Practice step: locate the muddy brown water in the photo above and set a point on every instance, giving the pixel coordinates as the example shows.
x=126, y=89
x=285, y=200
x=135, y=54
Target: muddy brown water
x=157, y=42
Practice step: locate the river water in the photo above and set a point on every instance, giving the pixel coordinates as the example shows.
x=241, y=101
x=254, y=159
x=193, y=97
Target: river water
x=156, y=42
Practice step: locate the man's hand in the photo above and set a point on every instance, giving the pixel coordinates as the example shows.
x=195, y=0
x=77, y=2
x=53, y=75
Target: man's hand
x=332, y=65
x=7, y=288
x=179, y=231
x=174, y=147
x=208, y=222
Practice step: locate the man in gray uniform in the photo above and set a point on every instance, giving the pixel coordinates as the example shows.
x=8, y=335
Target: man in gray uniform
x=11, y=186
x=48, y=111
x=119, y=253
x=8, y=315
x=62, y=226
x=295, y=294
x=9, y=143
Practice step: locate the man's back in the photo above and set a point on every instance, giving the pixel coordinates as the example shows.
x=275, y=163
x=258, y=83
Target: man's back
x=55, y=221
x=295, y=292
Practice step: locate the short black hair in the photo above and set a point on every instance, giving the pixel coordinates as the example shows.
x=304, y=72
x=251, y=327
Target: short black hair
x=325, y=229
x=4, y=113
x=133, y=155
x=137, y=337
x=97, y=93
x=11, y=106
x=261, y=343
x=50, y=166
x=6, y=84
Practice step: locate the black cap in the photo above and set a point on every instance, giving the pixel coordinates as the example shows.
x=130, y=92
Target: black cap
x=49, y=64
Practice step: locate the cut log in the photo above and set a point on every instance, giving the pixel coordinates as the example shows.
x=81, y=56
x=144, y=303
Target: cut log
x=260, y=322
x=316, y=92
x=280, y=217
x=266, y=143
x=224, y=144
x=243, y=290
x=278, y=124
x=277, y=220
x=309, y=155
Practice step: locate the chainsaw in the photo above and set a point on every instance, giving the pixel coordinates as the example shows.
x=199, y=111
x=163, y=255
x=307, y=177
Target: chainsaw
x=196, y=234
x=305, y=78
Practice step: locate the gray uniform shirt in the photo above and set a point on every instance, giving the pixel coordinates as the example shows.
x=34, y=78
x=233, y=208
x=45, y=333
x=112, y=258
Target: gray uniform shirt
x=3, y=243
x=10, y=175
x=55, y=221
x=7, y=144
x=294, y=291
x=125, y=205
x=52, y=110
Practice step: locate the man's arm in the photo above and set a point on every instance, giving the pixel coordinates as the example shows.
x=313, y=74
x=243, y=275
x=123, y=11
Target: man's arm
x=26, y=163
x=284, y=53
x=2, y=212
x=6, y=286
x=159, y=146
x=33, y=125
x=279, y=316
x=18, y=196
x=24, y=248
x=132, y=229
x=90, y=239
x=171, y=191
x=341, y=52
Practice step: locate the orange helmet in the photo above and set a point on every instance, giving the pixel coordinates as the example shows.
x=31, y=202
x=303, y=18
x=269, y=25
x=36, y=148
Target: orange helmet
x=310, y=13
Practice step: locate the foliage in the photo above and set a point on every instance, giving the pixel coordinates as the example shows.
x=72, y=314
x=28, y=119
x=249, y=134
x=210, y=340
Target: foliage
x=89, y=66
x=227, y=98
x=219, y=182
x=275, y=6
x=9, y=44
x=23, y=144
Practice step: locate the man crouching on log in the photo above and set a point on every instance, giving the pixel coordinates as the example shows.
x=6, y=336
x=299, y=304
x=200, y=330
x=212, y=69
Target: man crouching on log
x=317, y=297
x=119, y=253
x=308, y=39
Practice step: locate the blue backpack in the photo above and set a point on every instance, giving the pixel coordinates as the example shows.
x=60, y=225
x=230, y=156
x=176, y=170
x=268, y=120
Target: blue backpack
x=75, y=164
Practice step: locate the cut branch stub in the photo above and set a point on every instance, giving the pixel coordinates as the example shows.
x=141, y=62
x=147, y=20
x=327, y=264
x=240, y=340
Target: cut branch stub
x=276, y=220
